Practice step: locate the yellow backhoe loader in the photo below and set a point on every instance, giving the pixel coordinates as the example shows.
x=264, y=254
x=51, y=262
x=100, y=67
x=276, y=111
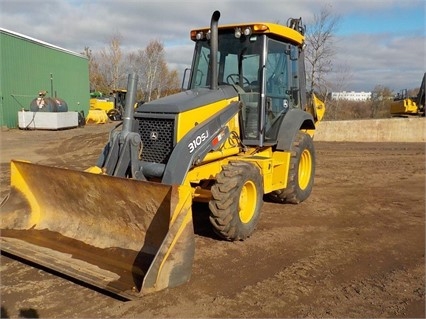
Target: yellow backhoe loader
x=242, y=129
x=404, y=106
x=113, y=105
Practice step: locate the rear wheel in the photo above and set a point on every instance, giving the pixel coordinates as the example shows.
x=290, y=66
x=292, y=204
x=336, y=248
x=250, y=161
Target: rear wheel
x=237, y=201
x=301, y=172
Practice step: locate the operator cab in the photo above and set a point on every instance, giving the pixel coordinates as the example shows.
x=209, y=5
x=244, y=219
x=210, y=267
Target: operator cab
x=263, y=64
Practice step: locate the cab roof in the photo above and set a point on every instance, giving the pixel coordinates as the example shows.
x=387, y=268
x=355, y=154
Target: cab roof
x=273, y=29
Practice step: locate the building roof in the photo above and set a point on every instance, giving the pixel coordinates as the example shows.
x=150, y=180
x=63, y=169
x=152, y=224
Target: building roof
x=39, y=42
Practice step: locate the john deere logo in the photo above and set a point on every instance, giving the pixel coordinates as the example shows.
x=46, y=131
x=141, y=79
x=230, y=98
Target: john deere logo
x=154, y=136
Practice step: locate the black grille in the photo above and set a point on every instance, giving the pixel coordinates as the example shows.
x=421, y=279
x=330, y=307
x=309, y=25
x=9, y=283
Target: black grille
x=157, y=138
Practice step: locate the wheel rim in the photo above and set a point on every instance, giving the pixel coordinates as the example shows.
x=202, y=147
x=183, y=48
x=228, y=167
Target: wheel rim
x=247, y=202
x=305, y=169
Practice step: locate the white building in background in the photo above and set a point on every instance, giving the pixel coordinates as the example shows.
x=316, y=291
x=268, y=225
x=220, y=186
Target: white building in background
x=351, y=96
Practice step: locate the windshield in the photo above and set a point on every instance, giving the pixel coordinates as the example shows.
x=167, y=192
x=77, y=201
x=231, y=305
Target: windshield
x=238, y=61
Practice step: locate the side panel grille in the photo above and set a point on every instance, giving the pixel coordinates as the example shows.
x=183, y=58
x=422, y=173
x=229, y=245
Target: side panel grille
x=157, y=137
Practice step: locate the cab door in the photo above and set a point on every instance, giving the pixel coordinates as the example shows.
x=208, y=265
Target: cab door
x=281, y=86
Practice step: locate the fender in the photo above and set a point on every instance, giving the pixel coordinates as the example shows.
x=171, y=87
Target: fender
x=294, y=120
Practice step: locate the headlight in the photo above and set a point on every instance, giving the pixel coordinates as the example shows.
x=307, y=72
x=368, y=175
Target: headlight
x=247, y=31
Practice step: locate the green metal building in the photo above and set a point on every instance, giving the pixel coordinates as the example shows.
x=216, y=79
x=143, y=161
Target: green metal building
x=28, y=66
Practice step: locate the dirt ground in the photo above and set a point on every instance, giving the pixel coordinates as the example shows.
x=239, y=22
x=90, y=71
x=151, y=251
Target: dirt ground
x=355, y=248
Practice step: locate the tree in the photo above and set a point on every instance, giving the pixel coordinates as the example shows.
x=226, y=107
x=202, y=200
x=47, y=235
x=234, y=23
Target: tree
x=111, y=65
x=413, y=92
x=156, y=80
x=171, y=84
x=320, y=49
x=108, y=70
x=153, y=62
x=341, y=77
x=381, y=97
x=95, y=77
x=168, y=81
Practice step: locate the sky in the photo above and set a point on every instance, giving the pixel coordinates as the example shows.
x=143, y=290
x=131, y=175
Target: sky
x=377, y=42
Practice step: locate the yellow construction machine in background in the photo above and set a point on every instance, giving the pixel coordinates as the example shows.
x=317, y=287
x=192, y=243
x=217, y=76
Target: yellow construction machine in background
x=107, y=108
x=403, y=105
x=242, y=130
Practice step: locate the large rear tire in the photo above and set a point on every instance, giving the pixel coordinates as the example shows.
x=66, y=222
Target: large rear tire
x=237, y=198
x=301, y=173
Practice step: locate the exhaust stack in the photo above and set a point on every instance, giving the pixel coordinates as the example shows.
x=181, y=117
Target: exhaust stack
x=214, y=47
x=132, y=84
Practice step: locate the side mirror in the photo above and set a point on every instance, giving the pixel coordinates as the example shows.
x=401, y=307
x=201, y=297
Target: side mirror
x=185, y=79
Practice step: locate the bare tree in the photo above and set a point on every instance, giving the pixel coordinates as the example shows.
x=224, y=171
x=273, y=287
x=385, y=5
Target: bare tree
x=172, y=83
x=153, y=61
x=381, y=96
x=108, y=69
x=111, y=64
x=134, y=64
x=320, y=49
x=156, y=80
x=161, y=81
x=413, y=92
x=342, y=75
x=95, y=78
x=168, y=81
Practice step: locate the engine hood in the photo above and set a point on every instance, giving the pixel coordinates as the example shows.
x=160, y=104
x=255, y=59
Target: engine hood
x=188, y=100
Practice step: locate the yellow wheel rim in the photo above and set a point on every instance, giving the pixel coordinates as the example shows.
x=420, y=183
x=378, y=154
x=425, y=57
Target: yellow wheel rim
x=305, y=169
x=247, y=202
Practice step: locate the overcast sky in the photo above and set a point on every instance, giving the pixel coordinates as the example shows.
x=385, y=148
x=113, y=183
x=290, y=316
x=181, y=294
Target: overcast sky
x=383, y=42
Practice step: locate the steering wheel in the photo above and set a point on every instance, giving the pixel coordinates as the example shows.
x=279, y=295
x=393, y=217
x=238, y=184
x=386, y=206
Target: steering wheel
x=233, y=78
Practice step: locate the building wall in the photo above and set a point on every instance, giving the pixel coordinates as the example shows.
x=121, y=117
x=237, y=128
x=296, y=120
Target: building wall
x=28, y=66
x=351, y=96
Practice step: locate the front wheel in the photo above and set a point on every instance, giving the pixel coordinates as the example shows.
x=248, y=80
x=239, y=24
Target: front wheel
x=236, y=201
x=301, y=172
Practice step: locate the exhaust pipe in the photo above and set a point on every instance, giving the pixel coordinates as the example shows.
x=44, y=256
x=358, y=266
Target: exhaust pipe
x=214, y=47
x=132, y=82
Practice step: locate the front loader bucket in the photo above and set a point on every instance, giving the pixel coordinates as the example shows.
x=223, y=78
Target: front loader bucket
x=126, y=236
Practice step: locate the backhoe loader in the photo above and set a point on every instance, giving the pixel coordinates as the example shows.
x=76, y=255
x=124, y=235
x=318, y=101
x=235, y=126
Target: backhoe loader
x=113, y=105
x=404, y=106
x=240, y=132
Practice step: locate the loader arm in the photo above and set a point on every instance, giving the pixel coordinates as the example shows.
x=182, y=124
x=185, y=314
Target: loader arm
x=120, y=157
